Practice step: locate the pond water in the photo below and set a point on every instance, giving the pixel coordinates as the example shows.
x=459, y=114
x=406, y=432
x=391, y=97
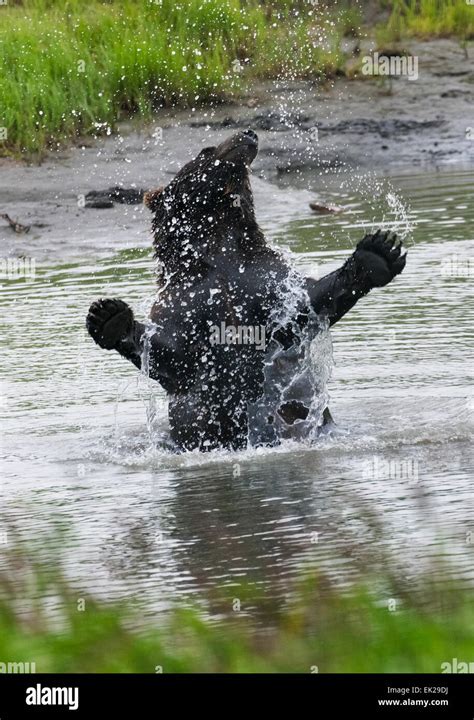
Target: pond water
x=84, y=480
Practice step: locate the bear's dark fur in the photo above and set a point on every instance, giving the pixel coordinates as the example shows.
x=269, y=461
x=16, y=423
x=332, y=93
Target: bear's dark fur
x=217, y=272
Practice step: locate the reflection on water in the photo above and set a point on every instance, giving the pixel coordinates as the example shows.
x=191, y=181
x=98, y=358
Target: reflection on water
x=396, y=478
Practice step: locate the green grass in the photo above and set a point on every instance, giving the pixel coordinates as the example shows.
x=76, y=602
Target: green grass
x=73, y=67
x=322, y=630
x=429, y=18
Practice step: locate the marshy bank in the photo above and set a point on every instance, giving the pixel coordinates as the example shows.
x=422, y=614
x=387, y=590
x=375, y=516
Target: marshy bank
x=320, y=140
x=73, y=70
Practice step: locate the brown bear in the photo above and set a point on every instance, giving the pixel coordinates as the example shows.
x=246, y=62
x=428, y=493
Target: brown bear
x=232, y=328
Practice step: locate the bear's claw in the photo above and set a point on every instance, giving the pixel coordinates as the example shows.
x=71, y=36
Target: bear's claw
x=379, y=257
x=109, y=321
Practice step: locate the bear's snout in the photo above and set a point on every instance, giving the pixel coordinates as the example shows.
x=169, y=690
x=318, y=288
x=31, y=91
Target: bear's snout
x=241, y=147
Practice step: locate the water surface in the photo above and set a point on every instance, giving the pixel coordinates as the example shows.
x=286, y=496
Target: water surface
x=81, y=445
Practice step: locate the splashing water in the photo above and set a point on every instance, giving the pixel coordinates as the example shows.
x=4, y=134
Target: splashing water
x=388, y=209
x=295, y=373
x=402, y=224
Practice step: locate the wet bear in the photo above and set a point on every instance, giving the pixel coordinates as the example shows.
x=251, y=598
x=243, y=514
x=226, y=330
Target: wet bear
x=231, y=330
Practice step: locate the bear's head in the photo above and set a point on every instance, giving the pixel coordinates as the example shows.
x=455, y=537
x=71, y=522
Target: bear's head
x=207, y=210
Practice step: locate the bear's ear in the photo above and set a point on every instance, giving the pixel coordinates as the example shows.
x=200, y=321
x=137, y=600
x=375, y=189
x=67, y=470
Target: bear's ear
x=150, y=198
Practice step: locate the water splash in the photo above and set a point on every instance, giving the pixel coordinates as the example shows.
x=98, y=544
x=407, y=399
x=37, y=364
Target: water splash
x=297, y=367
x=385, y=206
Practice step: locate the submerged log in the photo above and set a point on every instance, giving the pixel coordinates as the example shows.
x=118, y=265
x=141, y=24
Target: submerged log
x=325, y=209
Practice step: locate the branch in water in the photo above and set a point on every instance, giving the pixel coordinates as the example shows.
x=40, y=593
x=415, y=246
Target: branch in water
x=16, y=226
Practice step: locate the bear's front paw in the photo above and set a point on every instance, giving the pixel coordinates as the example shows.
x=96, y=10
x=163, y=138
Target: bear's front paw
x=379, y=257
x=108, y=321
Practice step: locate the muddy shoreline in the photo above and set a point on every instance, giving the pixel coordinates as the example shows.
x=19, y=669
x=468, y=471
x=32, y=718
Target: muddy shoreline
x=363, y=125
